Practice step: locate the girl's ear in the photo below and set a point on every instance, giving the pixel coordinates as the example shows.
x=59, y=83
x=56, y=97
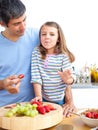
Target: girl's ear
x=58, y=40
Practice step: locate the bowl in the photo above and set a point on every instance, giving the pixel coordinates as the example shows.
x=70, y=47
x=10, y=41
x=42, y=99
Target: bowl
x=88, y=116
x=95, y=128
x=64, y=127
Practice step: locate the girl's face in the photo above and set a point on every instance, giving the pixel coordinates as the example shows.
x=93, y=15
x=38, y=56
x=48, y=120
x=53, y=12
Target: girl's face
x=49, y=38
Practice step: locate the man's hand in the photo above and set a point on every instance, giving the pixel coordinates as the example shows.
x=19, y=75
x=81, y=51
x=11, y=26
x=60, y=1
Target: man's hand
x=11, y=84
x=69, y=106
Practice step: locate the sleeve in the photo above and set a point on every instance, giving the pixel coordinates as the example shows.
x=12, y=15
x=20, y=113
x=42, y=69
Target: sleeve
x=67, y=65
x=35, y=71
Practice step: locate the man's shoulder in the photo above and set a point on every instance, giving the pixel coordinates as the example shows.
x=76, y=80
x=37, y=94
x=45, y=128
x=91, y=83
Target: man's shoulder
x=31, y=30
x=33, y=35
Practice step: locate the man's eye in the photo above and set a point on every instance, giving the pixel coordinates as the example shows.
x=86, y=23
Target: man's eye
x=43, y=34
x=16, y=24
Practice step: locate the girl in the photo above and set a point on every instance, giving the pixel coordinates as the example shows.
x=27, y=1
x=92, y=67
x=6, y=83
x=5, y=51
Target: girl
x=51, y=72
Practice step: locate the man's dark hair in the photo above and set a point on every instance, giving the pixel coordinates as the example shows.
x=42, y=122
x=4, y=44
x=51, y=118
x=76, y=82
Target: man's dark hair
x=10, y=9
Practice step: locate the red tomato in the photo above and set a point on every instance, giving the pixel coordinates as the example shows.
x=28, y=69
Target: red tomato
x=36, y=102
x=88, y=114
x=47, y=108
x=21, y=76
x=51, y=107
x=41, y=109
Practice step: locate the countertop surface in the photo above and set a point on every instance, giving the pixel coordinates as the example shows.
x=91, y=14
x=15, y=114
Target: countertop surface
x=75, y=121
x=85, y=85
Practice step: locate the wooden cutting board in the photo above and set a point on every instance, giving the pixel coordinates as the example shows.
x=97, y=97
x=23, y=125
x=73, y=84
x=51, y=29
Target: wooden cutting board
x=31, y=123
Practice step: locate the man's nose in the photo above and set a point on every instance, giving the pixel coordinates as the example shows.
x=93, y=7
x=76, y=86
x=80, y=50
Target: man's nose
x=23, y=25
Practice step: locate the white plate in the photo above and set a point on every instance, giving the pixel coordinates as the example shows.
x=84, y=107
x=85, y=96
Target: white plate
x=89, y=121
x=95, y=128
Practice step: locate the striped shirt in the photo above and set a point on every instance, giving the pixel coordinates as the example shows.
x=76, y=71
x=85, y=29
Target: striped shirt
x=45, y=72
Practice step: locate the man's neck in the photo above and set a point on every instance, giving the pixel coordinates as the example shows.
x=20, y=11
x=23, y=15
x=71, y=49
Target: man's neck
x=10, y=37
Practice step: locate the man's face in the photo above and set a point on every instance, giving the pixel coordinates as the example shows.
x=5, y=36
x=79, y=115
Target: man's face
x=16, y=27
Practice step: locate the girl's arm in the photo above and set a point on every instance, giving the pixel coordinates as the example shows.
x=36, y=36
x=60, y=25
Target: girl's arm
x=38, y=92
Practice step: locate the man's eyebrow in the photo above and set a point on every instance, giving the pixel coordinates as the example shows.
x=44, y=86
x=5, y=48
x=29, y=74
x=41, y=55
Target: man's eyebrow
x=25, y=18
x=19, y=22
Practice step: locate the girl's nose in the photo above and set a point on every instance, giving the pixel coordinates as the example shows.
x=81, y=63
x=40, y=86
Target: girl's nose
x=47, y=36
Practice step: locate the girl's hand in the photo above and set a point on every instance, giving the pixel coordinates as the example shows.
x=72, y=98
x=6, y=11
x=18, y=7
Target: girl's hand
x=37, y=98
x=66, y=76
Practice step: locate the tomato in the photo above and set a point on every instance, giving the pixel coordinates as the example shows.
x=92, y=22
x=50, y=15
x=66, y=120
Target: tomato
x=36, y=102
x=92, y=114
x=47, y=108
x=41, y=109
x=88, y=114
x=51, y=107
x=21, y=76
x=95, y=115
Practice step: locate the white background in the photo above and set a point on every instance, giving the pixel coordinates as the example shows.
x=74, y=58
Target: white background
x=78, y=19
x=85, y=98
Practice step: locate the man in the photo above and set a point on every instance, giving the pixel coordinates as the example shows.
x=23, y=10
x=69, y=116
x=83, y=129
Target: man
x=16, y=45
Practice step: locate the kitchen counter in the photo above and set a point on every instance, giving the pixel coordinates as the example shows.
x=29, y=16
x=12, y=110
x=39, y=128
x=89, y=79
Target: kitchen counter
x=85, y=85
x=75, y=121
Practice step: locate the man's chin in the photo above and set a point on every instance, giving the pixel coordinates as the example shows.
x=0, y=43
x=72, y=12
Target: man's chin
x=21, y=34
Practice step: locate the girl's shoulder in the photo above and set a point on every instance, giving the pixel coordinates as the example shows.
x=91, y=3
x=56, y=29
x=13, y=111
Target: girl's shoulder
x=36, y=51
x=63, y=55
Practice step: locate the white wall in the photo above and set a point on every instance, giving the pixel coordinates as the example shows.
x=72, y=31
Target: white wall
x=78, y=19
x=85, y=98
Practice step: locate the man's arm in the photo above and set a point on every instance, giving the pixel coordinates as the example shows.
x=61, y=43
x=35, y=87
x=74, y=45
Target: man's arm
x=1, y=85
x=68, y=94
x=69, y=103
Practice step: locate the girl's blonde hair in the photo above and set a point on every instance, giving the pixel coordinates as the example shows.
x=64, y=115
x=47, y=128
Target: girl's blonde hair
x=61, y=46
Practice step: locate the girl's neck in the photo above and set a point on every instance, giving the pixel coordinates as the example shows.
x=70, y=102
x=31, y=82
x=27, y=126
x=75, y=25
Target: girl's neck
x=50, y=54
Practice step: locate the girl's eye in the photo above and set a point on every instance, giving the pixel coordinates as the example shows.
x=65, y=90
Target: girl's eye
x=52, y=34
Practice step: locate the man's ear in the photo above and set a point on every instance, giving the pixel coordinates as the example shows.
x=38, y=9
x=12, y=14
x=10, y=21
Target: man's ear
x=2, y=24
